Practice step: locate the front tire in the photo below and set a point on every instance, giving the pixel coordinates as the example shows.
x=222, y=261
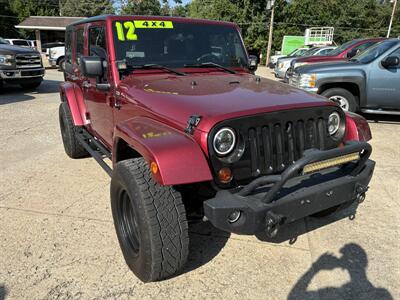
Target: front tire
x=31, y=85
x=61, y=64
x=150, y=221
x=68, y=130
x=346, y=100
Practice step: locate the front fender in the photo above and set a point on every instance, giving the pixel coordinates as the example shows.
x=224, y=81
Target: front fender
x=178, y=157
x=357, y=128
x=344, y=76
x=71, y=93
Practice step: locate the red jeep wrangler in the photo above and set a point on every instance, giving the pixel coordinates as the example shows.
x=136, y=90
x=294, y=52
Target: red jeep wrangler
x=191, y=131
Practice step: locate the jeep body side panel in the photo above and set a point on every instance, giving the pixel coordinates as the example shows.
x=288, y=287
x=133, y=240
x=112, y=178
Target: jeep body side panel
x=71, y=93
x=178, y=157
x=357, y=128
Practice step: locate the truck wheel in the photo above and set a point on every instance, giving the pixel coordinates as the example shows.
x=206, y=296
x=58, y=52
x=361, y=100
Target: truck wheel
x=150, y=221
x=71, y=144
x=31, y=85
x=345, y=99
x=61, y=64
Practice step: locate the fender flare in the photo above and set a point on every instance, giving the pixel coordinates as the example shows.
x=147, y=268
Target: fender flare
x=357, y=128
x=71, y=93
x=178, y=157
x=355, y=77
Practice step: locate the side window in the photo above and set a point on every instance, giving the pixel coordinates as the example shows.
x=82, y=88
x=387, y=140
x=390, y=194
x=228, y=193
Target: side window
x=79, y=45
x=363, y=47
x=97, y=42
x=68, y=51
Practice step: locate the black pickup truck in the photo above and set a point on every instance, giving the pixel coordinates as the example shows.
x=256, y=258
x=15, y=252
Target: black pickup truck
x=20, y=65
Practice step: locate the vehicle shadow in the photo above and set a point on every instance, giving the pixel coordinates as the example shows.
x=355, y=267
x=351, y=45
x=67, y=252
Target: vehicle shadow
x=206, y=242
x=11, y=93
x=3, y=292
x=290, y=232
x=384, y=119
x=354, y=260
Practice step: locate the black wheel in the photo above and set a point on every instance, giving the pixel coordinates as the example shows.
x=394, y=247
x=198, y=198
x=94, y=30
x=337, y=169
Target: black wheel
x=346, y=100
x=31, y=84
x=71, y=144
x=61, y=64
x=150, y=221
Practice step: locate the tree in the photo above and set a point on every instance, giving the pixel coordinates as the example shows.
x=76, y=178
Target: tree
x=15, y=11
x=141, y=7
x=86, y=8
x=351, y=18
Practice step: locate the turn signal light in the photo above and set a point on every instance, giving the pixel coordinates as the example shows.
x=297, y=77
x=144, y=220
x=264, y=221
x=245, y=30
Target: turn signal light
x=225, y=175
x=153, y=167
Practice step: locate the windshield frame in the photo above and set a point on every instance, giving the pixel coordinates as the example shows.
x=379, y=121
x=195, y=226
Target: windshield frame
x=113, y=42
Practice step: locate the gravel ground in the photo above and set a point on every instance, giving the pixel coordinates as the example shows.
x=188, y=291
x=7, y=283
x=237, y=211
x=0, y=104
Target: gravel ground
x=57, y=239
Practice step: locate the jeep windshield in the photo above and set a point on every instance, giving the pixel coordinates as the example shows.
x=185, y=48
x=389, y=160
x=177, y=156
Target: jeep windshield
x=177, y=44
x=374, y=52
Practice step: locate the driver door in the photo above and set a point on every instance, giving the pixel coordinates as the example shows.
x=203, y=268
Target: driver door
x=383, y=85
x=98, y=102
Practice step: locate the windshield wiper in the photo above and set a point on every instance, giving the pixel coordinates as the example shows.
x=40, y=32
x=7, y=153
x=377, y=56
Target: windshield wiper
x=154, y=66
x=211, y=64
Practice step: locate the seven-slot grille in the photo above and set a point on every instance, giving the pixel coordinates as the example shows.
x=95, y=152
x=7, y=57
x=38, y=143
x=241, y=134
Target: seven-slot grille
x=274, y=147
x=25, y=61
x=273, y=141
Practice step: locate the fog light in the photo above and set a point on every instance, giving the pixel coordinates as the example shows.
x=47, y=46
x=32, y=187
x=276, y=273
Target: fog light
x=233, y=217
x=225, y=175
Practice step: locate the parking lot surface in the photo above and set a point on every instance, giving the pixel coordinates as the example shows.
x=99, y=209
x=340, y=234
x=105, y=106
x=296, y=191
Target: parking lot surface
x=57, y=239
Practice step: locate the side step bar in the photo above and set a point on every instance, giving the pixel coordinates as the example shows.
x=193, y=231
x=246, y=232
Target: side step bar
x=95, y=148
x=381, y=112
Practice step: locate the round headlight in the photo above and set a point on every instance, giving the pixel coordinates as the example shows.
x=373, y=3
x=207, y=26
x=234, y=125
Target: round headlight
x=224, y=141
x=333, y=123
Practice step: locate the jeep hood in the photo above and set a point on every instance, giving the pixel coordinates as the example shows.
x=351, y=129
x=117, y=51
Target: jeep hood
x=213, y=96
x=11, y=49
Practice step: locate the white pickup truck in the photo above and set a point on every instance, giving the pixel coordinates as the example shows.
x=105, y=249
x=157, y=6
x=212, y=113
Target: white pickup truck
x=56, y=57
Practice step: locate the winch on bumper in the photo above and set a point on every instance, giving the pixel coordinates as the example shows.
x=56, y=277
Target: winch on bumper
x=335, y=177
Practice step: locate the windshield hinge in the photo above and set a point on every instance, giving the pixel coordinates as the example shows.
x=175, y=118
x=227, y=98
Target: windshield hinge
x=192, y=122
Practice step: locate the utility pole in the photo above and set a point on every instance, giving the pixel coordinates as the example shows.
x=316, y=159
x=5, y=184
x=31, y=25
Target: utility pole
x=270, y=6
x=391, y=18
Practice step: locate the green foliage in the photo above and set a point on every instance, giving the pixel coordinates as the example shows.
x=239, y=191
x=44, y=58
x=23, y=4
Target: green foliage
x=351, y=18
x=86, y=8
x=15, y=11
x=153, y=8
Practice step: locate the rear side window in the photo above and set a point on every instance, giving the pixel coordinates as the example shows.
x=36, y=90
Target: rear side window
x=79, y=45
x=361, y=48
x=97, y=42
x=68, y=51
x=21, y=43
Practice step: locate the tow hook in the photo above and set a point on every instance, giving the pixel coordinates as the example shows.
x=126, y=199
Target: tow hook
x=273, y=224
x=360, y=193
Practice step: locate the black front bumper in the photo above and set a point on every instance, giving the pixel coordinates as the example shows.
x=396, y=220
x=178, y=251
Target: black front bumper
x=271, y=201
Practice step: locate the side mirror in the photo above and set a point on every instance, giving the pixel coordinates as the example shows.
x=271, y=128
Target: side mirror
x=253, y=63
x=390, y=61
x=92, y=66
x=353, y=52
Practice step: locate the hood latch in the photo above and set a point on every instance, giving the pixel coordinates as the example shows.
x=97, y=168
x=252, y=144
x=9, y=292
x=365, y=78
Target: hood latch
x=192, y=122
